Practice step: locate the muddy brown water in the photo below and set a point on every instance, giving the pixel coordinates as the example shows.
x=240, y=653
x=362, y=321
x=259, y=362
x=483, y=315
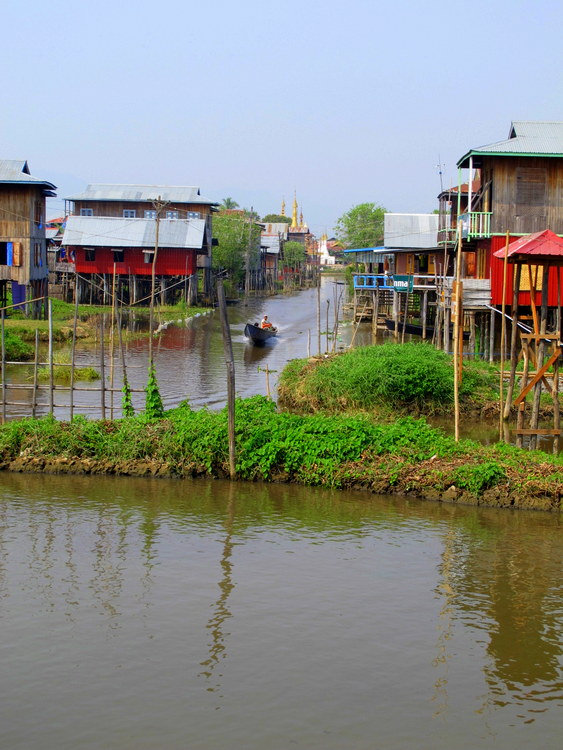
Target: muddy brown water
x=139, y=613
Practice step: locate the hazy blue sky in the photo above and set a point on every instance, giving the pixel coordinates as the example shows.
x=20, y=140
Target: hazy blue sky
x=345, y=102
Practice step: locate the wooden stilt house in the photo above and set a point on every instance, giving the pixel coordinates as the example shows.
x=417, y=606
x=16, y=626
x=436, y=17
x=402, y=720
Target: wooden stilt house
x=132, y=231
x=23, y=246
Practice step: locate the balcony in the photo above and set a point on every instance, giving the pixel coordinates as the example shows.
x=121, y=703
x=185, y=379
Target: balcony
x=475, y=225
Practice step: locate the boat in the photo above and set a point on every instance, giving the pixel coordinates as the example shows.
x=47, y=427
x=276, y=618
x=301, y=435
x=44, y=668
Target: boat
x=415, y=329
x=259, y=335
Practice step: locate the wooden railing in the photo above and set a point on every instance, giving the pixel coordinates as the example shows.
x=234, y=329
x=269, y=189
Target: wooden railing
x=476, y=225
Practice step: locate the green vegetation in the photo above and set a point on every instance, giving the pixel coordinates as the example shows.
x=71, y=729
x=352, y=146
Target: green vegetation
x=390, y=377
x=293, y=254
x=276, y=219
x=406, y=456
x=233, y=234
x=16, y=348
x=361, y=226
x=62, y=370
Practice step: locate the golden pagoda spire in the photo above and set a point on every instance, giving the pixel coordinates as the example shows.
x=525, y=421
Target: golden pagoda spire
x=283, y=207
x=294, y=224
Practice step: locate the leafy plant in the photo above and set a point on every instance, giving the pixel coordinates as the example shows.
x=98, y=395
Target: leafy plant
x=154, y=408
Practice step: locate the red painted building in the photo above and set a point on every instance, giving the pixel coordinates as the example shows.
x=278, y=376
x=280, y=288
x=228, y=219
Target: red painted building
x=122, y=234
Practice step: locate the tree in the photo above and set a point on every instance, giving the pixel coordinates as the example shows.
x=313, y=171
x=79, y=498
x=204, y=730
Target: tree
x=228, y=203
x=361, y=226
x=229, y=255
x=293, y=254
x=251, y=214
x=276, y=219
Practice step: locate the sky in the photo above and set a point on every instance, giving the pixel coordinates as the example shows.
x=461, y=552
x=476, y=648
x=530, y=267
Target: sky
x=342, y=102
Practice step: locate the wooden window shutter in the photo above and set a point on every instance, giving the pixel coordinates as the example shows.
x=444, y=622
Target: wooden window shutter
x=17, y=254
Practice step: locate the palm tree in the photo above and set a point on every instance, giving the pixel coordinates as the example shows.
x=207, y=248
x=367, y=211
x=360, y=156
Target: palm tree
x=228, y=203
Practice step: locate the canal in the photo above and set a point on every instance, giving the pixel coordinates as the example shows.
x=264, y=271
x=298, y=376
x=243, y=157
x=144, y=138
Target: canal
x=144, y=614
x=190, y=361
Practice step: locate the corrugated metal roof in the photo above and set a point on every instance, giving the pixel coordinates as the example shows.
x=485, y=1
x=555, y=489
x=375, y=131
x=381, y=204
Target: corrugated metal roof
x=280, y=227
x=172, y=193
x=17, y=171
x=534, y=138
x=544, y=244
x=270, y=243
x=412, y=231
x=104, y=231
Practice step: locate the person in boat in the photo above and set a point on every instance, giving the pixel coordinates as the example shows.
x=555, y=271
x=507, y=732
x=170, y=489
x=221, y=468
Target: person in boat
x=265, y=323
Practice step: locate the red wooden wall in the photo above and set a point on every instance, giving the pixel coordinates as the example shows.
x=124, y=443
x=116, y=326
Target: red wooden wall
x=496, y=266
x=169, y=262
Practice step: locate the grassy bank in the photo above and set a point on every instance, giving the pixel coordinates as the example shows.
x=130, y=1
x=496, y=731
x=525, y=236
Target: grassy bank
x=403, y=457
x=388, y=381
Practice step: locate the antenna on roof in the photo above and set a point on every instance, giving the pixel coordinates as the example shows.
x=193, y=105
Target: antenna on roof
x=439, y=168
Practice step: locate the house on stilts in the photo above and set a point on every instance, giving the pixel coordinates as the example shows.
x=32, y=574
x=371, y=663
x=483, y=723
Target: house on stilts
x=23, y=244
x=124, y=234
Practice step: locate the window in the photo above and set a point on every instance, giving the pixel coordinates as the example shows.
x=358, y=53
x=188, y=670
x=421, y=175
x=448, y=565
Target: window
x=86, y=212
x=37, y=259
x=89, y=254
x=4, y=253
x=118, y=256
x=129, y=213
x=150, y=214
x=39, y=214
x=194, y=215
x=531, y=186
x=172, y=214
x=147, y=257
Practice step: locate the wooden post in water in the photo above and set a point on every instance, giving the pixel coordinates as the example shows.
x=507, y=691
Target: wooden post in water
x=376, y=310
x=228, y=349
x=319, y=315
x=327, y=309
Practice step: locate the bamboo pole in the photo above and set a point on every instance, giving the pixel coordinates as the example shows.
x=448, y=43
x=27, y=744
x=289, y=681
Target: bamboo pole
x=73, y=355
x=102, y=370
x=502, y=337
x=3, y=368
x=111, y=341
x=327, y=311
x=456, y=338
x=228, y=350
x=51, y=367
x=319, y=315
x=35, y=374
x=513, y=341
x=540, y=351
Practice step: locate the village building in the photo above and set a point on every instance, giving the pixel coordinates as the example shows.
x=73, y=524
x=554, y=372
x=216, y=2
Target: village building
x=123, y=234
x=23, y=244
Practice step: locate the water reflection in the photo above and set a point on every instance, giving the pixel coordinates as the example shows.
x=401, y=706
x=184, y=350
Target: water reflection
x=217, y=647
x=235, y=594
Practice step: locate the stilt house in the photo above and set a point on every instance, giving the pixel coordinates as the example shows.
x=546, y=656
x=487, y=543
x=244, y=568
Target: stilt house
x=111, y=231
x=23, y=246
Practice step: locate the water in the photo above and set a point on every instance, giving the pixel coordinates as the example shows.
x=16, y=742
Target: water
x=193, y=614
x=190, y=360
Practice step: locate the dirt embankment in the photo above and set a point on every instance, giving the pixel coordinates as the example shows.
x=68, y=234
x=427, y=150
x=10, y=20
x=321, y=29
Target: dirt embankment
x=427, y=480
